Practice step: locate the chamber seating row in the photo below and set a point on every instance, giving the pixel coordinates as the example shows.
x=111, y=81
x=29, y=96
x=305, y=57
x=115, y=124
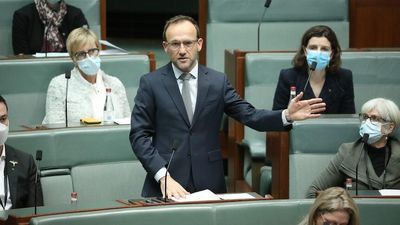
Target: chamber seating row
x=24, y=82
x=255, y=76
x=90, y=8
x=229, y=24
x=96, y=162
x=283, y=212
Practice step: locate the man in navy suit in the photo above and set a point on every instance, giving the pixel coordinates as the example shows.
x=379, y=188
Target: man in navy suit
x=161, y=122
x=17, y=171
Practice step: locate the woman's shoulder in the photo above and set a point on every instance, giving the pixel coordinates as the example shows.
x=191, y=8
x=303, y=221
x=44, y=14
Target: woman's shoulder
x=344, y=73
x=290, y=74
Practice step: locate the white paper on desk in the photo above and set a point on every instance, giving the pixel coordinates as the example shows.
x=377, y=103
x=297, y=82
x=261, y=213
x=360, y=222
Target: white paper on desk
x=235, y=196
x=123, y=121
x=205, y=195
x=51, y=54
x=106, y=43
x=390, y=192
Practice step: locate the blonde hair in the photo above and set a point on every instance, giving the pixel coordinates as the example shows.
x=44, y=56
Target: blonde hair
x=79, y=37
x=386, y=108
x=331, y=200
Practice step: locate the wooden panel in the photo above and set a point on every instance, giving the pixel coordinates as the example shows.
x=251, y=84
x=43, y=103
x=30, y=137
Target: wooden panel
x=278, y=152
x=203, y=16
x=103, y=19
x=374, y=23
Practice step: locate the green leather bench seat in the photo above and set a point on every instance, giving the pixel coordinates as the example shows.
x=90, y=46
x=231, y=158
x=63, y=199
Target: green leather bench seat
x=90, y=8
x=232, y=24
x=97, y=162
x=374, y=75
x=313, y=143
x=282, y=212
x=24, y=82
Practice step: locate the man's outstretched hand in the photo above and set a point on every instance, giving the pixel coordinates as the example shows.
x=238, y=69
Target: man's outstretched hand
x=304, y=109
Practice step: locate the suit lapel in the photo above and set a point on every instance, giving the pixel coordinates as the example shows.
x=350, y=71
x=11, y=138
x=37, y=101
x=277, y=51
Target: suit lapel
x=202, y=90
x=171, y=85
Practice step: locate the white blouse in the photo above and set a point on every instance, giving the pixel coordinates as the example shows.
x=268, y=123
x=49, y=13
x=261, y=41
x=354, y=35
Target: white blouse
x=84, y=99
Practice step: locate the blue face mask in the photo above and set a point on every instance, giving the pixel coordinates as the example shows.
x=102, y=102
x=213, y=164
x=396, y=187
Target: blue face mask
x=90, y=65
x=373, y=129
x=321, y=57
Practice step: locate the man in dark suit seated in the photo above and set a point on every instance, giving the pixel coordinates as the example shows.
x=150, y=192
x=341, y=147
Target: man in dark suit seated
x=17, y=171
x=180, y=107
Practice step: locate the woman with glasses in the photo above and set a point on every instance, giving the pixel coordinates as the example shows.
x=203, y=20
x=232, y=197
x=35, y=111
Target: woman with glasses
x=316, y=71
x=377, y=159
x=86, y=86
x=334, y=206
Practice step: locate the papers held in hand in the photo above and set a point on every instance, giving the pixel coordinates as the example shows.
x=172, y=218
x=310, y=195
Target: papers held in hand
x=207, y=195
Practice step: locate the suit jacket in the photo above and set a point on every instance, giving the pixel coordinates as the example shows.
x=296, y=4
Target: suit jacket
x=28, y=29
x=343, y=166
x=159, y=118
x=337, y=92
x=21, y=177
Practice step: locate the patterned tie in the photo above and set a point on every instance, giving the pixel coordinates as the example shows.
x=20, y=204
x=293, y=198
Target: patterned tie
x=185, y=77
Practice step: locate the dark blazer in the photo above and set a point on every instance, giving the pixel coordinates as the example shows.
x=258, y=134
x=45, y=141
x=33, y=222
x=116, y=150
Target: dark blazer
x=159, y=118
x=337, y=92
x=28, y=29
x=21, y=176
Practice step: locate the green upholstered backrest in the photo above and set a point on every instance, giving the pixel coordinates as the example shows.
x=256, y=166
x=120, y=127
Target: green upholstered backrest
x=69, y=147
x=170, y=215
x=24, y=82
x=90, y=8
x=282, y=212
x=375, y=74
x=312, y=145
x=97, y=162
x=261, y=76
x=232, y=24
x=108, y=181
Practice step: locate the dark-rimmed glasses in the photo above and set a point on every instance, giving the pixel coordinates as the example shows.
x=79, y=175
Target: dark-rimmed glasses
x=373, y=118
x=82, y=54
x=176, y=45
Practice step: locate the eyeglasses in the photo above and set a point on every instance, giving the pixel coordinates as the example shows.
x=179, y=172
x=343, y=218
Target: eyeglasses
x=82, y=54
x=373, y=118
x=176, y=45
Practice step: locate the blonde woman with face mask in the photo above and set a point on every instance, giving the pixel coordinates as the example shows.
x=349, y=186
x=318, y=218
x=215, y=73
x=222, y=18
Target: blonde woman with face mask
x=86, y=86
x=377, y=159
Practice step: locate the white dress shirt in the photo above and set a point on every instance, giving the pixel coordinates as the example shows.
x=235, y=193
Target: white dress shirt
x=2, y=191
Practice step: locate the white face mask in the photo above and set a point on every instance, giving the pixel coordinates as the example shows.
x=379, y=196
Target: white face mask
x=90, y=65
x=3, y=133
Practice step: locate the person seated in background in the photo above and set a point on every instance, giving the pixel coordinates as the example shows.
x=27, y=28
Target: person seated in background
x=17, y=169
x=334, y=206
x=87, y=85
x=378, y=159
x=328, y=81
x=43, y=26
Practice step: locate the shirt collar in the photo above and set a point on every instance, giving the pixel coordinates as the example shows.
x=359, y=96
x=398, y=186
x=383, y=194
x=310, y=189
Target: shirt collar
x=178, y=72
x=3, y=153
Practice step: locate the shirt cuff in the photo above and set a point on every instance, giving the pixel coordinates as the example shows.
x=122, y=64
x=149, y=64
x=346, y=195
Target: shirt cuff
x=284, y=120
x=160, y=174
